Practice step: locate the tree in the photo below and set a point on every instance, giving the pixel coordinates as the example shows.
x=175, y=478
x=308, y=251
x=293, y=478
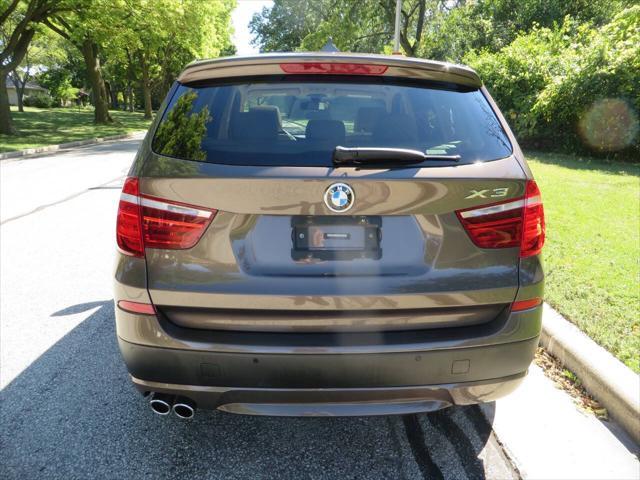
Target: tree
x=158, y=41
x=63, y=72
x=493, y=24
x=86, y=25
x=23, y=18
x=283, y=26
x=181, y=134
x=437, y=29
x=43, y=51
x=355, y=25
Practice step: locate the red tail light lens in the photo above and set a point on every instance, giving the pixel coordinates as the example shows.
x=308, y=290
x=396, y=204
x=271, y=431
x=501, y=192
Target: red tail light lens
x=172, y=225
x=512, y=223
x=151, y=222
x=520, y=305
x=533, y=231
x=129, y=225
x=137, y=307
x=333, y=68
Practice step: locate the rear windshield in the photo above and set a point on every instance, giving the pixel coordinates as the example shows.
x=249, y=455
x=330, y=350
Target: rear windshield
x=291, y=123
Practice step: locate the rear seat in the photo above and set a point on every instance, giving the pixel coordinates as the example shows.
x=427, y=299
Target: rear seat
x=326, y=132
x=395, y=129
x=366, y=119
x=258, y=124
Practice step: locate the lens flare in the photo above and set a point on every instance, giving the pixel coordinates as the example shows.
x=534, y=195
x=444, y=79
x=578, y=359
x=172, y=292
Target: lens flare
x=609, y=125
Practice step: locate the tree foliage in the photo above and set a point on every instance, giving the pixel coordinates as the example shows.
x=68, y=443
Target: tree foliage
x=354, y=25
x=163, y=35
x=20, y=20
x=181, y=133
x=573, y=86
x=127, y=52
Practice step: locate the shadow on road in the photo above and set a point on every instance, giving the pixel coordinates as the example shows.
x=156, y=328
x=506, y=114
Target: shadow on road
x=74, y=414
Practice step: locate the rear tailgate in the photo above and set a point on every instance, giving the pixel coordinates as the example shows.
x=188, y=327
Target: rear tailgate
x=244, y=273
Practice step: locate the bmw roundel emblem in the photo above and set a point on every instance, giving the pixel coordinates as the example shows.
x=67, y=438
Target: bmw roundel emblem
x=339, y=197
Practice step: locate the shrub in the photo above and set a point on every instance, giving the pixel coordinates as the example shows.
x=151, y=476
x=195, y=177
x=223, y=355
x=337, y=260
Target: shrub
x=573, y=87
x=599, y=99
x=518, y=73
x=38, y=100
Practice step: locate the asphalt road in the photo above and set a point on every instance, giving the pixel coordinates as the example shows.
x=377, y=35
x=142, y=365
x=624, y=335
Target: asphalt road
x=68, y=409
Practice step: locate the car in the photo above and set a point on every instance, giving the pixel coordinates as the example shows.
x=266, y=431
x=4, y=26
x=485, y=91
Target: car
x=328, y=234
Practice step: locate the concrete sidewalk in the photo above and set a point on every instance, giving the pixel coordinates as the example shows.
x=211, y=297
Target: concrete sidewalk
x=49, y=149
x=547, y=437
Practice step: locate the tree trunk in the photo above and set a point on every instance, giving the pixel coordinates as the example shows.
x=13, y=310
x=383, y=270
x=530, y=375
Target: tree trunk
x=107, y=87
x=18, y=53
x=113, y=92
x=6, y=124
x=19, y=89
x=128, y=103
x=101, y=101
x=20, y=95
x=146, y=87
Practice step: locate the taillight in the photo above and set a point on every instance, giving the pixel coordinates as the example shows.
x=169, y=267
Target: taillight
x=333, y=68
x=520, y=305
x=129, y=225
x=151, y=222
x=533, y=231
x=137, y=307
x=512, y=223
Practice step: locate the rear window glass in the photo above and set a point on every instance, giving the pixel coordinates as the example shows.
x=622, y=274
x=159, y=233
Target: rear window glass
x=301, y=122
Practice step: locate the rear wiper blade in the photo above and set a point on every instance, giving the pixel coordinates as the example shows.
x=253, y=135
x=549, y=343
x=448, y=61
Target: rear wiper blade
x=385, y=156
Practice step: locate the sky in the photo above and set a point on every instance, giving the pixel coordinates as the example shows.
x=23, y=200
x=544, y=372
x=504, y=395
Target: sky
x=241, y=17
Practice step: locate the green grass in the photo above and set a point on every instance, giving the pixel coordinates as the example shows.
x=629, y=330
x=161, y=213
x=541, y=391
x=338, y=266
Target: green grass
x=592, y=252
x=39, y=127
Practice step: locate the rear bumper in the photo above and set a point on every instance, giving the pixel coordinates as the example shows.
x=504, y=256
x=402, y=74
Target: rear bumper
x=331, y=384
x=338, y=402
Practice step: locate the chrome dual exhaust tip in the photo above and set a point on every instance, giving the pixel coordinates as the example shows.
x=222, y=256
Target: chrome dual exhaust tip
x=184, y=408
x=161, y=403
x=164, y=403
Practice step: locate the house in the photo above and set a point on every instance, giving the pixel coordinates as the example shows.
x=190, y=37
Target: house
x=30, y=88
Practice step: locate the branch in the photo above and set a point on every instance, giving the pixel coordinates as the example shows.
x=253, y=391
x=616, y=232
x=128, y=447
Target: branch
x=420, y=24
x=15, y=38
x=63, y=22
x=413, y=9
x=36, y=12
x=404, y=41
x=4, y=15
x=19, y=50
x=14, y=78
x=57, y=29
x=388, y=8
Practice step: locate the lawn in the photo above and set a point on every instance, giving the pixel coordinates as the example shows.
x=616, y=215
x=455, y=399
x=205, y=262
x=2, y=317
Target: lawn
x=592, y=252
x=40, y=127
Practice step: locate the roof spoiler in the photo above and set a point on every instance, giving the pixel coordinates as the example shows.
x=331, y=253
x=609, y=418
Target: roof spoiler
x=276, y=64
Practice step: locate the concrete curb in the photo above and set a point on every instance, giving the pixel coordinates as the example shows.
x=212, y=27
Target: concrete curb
x=64, y=146
x=610, y=381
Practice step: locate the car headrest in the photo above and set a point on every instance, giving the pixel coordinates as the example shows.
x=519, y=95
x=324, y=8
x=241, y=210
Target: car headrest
x=395, y=128
x=259, y=123
x=317, y=115
x=366, y=118
x=326, y=131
